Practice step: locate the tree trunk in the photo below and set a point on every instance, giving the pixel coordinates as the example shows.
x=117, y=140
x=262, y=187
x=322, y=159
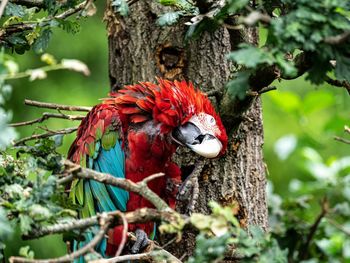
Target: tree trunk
x=140, y=50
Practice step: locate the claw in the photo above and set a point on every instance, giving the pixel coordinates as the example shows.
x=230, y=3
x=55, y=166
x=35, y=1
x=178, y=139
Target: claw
x=141, y=241
x=185, y=190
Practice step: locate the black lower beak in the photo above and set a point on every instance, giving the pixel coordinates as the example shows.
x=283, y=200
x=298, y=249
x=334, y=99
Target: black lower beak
x=187, y=134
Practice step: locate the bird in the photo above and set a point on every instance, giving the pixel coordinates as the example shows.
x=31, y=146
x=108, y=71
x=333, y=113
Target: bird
x=133, y=134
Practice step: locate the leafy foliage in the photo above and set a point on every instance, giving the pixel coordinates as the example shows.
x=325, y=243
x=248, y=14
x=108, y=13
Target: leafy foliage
x=26, y=28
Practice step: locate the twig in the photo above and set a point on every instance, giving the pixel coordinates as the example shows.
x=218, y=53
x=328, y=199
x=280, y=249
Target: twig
x=304, y=248
x=2, y=6
x=338, y=226
x=55, y=106
x=340, y=139
x=140, y=188
x=267, y=89
x=338, y=39
x=15, y=28
x=72, y=11
x=346, y=129
x=141, y=215
x=45, y=135
x=134, y=257
x=156, y=250
x=46, y=116
x=255, y=16
x=154, y=245
x=104, y=223
x=124, y=234
x=338, y=83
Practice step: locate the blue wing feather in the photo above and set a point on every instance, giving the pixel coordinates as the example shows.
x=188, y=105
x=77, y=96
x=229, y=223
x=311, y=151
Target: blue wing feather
x=106, y=197
x=112, y=162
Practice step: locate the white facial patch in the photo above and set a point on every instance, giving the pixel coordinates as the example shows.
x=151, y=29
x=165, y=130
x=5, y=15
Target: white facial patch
x=206, y=123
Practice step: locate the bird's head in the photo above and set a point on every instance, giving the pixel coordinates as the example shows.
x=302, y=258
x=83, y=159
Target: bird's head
x=179, y=110
x=199, y=127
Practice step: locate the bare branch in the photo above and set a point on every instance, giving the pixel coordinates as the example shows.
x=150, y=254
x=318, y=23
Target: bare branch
x=141, y=215
x=2, y=6
x=140, y=188
x=338, y=39
x=55, y=106
x=255, y=17
x=125, y=258
x=338, y=226
x=105, y=222
x=14, y=28
x=45, y=135
x=46, y=116
x=304, y=249
x=340, y=139
x=338, y=83
x=346, y=129
x=72, y=11
x=124, y=234
x=153, y=250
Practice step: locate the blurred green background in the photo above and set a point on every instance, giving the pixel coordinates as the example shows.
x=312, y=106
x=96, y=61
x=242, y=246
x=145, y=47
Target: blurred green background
x=300, y=120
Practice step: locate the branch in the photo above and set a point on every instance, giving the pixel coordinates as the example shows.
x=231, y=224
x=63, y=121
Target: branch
x=55, y=106
x=141, y=215
x=140, y=188
x=105, y=222
x=135, y=257
x=338, y=39
x=44, y=135
x=154, y=251
x=46, y=116
x=338, y=83
x=73, y=10
x=15, y=28
x=304, y=249
x=2, y=6
x=232, y=109
x=347, y=129
x=340, y=139
x=124, y=234
x=338, y=226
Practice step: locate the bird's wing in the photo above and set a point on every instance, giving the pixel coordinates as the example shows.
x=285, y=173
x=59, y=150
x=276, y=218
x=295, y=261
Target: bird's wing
x=98, y=146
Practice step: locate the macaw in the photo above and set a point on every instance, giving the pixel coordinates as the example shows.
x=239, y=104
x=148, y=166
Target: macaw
x=133, y=134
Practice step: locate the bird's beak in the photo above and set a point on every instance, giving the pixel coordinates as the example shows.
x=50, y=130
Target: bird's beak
x=198, y=141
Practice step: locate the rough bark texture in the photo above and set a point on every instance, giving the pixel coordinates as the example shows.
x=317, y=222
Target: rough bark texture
x=139, y=50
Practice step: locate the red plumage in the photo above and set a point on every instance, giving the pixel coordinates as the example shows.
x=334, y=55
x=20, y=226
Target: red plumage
x=144, y=115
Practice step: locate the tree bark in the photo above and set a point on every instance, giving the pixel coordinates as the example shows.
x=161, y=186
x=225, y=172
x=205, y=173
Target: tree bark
x=140, y=50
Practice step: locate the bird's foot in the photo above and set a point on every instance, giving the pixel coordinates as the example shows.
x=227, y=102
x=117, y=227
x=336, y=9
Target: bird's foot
x=141, y=241
x=185, y=190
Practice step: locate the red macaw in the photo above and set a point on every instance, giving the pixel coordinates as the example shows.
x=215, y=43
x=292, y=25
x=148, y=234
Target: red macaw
x=132, y=135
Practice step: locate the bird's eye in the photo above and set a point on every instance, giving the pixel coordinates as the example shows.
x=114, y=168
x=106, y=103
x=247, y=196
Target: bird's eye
x=211, y=120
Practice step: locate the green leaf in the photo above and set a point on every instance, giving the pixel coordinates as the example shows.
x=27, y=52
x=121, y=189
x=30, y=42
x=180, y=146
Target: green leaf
x=121, y=6
x=26, y=252
x=168, y=18
x=6, y=230
x=15, y=10
x=250, y=56
x=42, y=42
x=342, y=68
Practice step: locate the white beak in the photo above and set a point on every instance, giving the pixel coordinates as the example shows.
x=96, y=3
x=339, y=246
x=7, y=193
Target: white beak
x=209, y=148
